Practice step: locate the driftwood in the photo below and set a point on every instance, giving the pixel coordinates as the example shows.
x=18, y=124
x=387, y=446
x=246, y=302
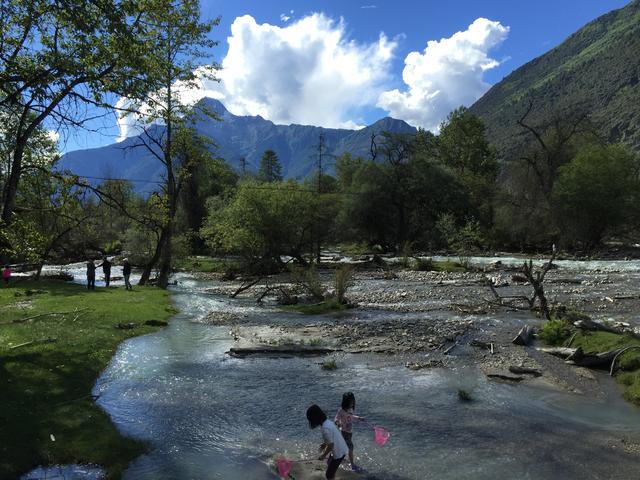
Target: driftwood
x=613, y=362
x=446, y=352
x=508, y=378
x=288, y=350
x=524, y=370
x=562, y=352
x=576, y=356
x=590, y=325
x=597, y=360
x=245, y=286
x=41, y=315
x=33, y=342
x=524, y=337
x=481, y=344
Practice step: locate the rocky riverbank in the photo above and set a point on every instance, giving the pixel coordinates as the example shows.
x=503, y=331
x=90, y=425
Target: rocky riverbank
x=444, y=315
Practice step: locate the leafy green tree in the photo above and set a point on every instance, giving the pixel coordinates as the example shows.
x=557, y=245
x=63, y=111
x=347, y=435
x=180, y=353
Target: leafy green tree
x=181, y=45
x=270, y=168
x=462, y=146
x=596, y=193
x=263, y=224
x=57, y=58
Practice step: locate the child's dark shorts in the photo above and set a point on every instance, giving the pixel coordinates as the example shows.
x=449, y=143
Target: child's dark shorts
x=332, y=468
x=347, y=439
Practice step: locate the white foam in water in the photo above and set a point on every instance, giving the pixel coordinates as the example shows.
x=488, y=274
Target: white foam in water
x=64, y=472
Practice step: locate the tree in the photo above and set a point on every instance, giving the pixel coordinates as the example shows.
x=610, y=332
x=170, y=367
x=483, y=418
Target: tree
x=264, y=224
x=270, y=168
x=462, y=146
x=596, y=192
x=58, y=58
x=181, y=41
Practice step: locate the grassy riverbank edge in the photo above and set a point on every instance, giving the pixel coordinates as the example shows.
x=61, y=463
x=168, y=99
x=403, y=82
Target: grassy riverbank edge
x=627, y=374
x=50, y=363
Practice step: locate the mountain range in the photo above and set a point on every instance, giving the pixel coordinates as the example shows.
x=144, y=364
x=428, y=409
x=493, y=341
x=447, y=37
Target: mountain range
x=235, y=137
x=595, y=71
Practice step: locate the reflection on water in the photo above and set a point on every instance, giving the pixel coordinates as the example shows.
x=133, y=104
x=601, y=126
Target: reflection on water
x=209, y=416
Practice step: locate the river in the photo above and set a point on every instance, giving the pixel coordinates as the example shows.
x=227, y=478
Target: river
x=209, y=416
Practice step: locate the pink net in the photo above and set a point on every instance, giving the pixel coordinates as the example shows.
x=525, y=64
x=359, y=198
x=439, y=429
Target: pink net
x=381, y=436
x=284, y=467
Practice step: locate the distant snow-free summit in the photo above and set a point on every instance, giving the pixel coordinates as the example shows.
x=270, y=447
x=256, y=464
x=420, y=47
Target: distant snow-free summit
x=235, y=137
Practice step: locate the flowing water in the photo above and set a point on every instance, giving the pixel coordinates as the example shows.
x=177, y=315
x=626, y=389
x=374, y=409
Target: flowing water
x=209, y=416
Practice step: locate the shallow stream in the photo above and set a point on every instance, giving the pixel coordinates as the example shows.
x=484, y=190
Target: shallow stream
x=209, y=416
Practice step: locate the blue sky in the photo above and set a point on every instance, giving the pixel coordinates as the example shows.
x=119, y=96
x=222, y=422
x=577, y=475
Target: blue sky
x=326, y=63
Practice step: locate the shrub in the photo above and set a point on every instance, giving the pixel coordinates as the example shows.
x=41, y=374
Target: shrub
x=555, y=332
x=464, y=396
x=423, y=265
x=343, y=280
x=329, y=365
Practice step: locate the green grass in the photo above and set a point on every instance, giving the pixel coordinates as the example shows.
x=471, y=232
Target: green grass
x=627, y=365
x=556, y=332
x=45, y=387
x=327, y=306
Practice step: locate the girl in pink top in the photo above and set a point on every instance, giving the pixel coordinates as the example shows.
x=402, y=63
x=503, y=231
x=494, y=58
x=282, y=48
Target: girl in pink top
x=6, y=274
x=344, y=419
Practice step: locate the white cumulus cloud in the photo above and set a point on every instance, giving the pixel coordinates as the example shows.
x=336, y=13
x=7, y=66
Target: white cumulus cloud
x=447, y=74
x=307, y=72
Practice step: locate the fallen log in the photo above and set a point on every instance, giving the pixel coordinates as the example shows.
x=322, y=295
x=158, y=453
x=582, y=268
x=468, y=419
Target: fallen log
x=525, y=371
x=562, y=352
x=613, y=362
x=597, y=360
x=590, y=325
x=481, y=344
x=524, y=337
x=505, y=377
x=446, y=352
x=289, y=350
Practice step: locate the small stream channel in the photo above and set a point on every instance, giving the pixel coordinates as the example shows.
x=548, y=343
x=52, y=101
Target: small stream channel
x=209, y=416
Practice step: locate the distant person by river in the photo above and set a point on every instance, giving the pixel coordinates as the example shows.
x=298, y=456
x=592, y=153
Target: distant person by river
x=126, y=273
x=6, y=274
x=106, y=269
x=91, y=275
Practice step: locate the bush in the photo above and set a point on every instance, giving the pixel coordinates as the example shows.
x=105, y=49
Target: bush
x=310, y=281
x=556, y=332
x=329, y=365
x=423, y=265
x=343, y=280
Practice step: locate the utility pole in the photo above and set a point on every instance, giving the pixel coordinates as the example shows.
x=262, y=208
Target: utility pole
x=318, y=228
x=243, y=167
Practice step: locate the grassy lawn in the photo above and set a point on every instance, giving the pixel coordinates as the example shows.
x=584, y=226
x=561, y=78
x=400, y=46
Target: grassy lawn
x=45, y=386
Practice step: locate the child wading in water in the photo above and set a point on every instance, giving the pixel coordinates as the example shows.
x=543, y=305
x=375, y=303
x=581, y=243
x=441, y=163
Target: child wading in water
x=344, y=420
x=333, y=442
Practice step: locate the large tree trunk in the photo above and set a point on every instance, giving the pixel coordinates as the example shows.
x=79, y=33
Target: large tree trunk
x=11, y=187
x=148, y=268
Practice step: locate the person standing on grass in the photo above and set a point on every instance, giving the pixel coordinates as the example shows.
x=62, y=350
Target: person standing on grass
x=106, y=269
x=6, y=274
x=91, y=275
x=126, y=273
x=333, y=443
